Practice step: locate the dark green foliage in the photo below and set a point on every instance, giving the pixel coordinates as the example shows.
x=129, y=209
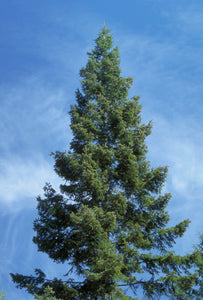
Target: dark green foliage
x=109, y=222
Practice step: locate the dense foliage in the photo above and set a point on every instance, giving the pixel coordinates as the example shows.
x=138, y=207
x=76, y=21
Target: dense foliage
x=110, y=221
x=200, y=269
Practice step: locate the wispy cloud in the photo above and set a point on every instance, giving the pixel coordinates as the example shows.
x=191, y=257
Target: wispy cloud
x=30, y=111
x=179, y=145
x=34, y=123
x=23, y=179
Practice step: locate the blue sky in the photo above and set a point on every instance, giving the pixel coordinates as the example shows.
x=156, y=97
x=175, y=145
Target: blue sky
x=42, y=47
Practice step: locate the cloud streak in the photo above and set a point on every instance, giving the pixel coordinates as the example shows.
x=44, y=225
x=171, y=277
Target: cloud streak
x=34, y=124
x=23, y=179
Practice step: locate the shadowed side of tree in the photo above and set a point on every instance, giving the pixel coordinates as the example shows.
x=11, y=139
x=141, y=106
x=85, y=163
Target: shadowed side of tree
x=109, y=223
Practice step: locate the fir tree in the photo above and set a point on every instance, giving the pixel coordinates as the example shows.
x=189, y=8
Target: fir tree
x=109, y=223
x=200, y=268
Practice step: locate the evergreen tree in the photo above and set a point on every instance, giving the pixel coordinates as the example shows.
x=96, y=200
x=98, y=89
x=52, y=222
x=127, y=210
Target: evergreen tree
x=109, y=223
x=200, y=268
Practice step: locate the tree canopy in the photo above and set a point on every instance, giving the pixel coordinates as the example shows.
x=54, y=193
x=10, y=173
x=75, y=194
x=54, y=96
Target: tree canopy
x=109, y=223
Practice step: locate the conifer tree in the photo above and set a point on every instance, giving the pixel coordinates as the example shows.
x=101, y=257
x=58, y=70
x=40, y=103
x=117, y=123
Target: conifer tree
x=199, y=265
x=109, y=223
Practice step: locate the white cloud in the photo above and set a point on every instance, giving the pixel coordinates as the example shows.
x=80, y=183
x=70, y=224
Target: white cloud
x=33, y=124
x=179, y=145
x=21, y=181
x=187, y=167
x=32, y=111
